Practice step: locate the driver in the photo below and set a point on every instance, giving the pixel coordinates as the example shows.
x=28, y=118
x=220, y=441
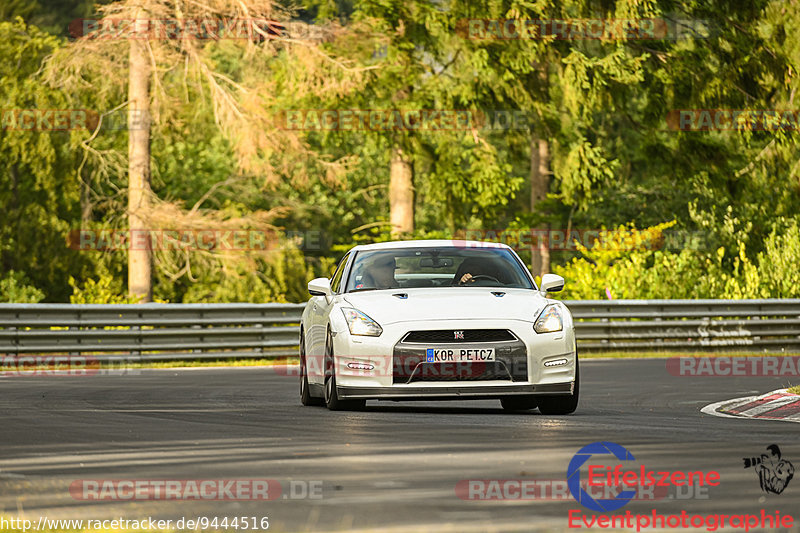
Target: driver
x=474, y=267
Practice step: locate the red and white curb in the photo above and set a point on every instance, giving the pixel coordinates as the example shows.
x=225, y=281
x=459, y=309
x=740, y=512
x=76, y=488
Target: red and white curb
x=775, y=405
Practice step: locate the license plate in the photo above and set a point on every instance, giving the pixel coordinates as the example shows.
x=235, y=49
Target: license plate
x=459, y=355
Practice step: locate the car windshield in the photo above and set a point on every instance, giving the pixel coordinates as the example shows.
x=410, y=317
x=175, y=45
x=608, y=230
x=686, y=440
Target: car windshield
x=437, y=267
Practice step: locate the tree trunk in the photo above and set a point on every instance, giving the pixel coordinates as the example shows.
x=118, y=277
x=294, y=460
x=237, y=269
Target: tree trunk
x=86, y=204
x=401, y=193
x=140, y=259
x=540, y=184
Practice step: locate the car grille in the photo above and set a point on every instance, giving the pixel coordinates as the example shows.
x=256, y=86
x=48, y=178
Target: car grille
x=448, y=336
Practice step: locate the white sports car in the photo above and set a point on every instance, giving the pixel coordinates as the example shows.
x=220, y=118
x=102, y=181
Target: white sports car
x=437, y=320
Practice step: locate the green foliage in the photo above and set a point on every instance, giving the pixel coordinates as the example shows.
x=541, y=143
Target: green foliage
x=39, y=189
x=104, y=290
x=775, y=273
x=630, y=263
x=601, y=104
x=281, y=277
x=53, y=16
x=14, y=288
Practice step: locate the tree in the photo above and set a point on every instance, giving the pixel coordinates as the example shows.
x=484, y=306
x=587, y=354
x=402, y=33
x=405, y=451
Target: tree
x=540, y=185
x=140, y=261
x=401, y=193
x=440, y=178
x=195, y=38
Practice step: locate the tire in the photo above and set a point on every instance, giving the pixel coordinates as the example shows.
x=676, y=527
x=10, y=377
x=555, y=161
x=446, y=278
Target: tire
x=562, y=404
x=519, y=403
x=305, y=394
x=332, y=401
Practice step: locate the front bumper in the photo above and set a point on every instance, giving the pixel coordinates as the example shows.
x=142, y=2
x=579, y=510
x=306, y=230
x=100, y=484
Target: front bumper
x=524, y=358
x=486, y=391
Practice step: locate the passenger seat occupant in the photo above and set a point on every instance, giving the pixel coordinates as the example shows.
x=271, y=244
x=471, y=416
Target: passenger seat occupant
x=379, y=274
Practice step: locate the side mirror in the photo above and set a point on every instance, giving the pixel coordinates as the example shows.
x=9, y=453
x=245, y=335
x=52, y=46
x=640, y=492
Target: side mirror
x=320, y=287
x=552, y=283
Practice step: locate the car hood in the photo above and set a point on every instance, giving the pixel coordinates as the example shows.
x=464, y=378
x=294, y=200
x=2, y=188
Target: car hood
x=448, y=303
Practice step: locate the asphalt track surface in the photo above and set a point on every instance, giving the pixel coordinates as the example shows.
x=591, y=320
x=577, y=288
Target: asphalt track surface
x=392, y=467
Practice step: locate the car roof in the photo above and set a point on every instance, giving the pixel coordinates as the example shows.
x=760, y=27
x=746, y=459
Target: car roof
x=428, y=243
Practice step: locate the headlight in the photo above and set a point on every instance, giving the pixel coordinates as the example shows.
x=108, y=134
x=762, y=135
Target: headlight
x=549, y=320
x=361, y=324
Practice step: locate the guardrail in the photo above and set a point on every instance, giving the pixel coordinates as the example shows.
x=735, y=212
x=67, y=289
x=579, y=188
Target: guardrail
x=151, y=331
x=687, y=325
x=196, y=331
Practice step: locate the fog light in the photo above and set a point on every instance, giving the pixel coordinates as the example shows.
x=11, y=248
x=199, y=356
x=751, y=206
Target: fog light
x=360, y=366
x=556, y=362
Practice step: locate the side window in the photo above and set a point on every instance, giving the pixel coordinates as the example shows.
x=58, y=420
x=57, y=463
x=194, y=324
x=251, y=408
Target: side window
x=336, y=280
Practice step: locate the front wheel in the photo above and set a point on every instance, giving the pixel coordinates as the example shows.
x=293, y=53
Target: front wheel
x=332, y=400
x=305, y=394
x=562, y=404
